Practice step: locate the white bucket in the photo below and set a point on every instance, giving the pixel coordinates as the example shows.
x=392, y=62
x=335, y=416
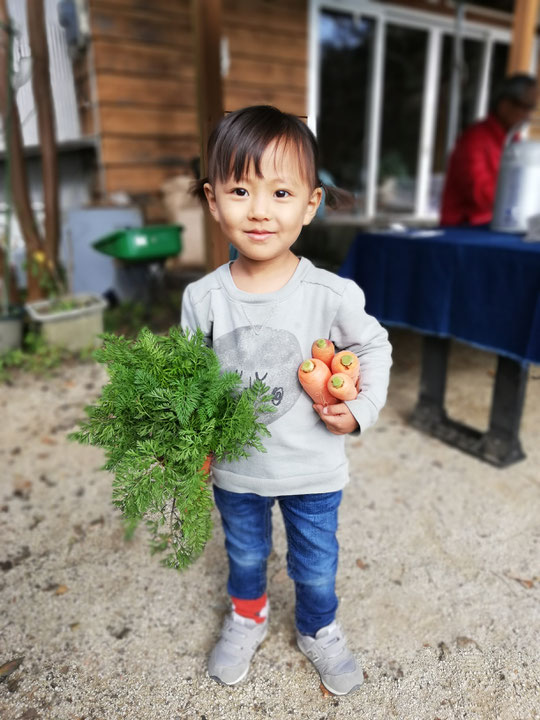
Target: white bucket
x=518, y=187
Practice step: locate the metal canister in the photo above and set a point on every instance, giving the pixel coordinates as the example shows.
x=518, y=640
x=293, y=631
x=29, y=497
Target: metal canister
x=518, y=186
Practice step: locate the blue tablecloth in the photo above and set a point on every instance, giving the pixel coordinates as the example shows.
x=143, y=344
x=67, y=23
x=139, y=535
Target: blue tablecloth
x=474, y=285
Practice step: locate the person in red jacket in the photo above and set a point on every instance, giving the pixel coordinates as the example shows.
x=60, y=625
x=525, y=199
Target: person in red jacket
x=471, y=179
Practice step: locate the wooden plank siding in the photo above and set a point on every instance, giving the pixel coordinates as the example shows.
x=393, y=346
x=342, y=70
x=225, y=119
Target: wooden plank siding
x=145, y=81
x=145, y=61
x=268, y=54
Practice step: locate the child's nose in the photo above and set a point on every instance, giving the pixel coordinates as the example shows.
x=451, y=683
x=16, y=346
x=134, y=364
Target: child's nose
x=260, y=207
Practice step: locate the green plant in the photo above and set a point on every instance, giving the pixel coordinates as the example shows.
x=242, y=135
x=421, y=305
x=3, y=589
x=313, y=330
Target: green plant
x=50, y=279
x=126, y=318
x=166, y=408
x=36, y=356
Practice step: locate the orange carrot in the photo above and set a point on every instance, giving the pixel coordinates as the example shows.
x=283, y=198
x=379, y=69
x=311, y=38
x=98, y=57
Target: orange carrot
x=314, y=375
x=206, y=464
x=324, y=350
x=346, y=362
x=342, y=387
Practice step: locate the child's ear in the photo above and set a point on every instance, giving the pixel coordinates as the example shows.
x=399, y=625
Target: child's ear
x=210, y=198
x=313, y=205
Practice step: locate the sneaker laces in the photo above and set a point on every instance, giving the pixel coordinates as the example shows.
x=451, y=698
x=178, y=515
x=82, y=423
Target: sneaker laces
x=333, y=644
x=236, y=630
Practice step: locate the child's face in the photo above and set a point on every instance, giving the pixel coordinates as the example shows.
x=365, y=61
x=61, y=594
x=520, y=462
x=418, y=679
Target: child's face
x=263, y=216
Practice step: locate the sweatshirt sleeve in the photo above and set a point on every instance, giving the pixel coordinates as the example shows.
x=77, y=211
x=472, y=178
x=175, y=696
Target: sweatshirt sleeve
x=188, y=319
x=353, y=329
x=195, y=315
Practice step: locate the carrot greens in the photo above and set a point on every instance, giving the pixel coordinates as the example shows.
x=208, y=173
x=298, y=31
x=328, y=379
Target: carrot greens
x=166, y=408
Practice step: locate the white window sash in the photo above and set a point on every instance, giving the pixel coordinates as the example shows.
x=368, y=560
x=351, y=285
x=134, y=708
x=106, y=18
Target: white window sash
x=482, y=102
x=374, y=125
x=428, y=122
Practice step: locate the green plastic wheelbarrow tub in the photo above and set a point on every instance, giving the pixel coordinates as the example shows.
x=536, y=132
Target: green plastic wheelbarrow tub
x=152, y=242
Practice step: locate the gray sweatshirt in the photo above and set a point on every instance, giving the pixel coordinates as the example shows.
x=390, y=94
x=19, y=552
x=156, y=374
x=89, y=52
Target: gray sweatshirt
x=266, y=337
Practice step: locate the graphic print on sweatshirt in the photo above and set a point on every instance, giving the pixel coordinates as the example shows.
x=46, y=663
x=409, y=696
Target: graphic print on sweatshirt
x=269, y=355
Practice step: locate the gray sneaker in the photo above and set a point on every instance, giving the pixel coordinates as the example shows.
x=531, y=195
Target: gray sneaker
x=240, y=637
x=339, y=670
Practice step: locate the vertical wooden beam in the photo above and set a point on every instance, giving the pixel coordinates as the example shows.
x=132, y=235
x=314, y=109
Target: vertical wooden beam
x=524, y=27
x=207, y=40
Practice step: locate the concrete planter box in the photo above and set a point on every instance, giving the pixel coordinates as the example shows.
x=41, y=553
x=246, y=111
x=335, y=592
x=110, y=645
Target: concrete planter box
x=74, y=329
x=11, y=327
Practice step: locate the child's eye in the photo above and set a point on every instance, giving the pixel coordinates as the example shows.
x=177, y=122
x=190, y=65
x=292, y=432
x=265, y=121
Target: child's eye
x=240, y=192
x=282, y=193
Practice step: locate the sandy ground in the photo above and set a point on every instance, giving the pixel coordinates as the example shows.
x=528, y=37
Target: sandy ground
x=439, y=576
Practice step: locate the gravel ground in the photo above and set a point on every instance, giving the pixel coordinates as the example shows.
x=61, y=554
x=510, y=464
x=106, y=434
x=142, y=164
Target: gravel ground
x=439, y=576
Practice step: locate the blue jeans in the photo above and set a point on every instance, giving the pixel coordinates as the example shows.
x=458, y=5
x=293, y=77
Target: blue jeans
x=312, y=558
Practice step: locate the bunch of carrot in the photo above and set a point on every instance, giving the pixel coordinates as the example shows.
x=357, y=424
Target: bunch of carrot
x=329, y=377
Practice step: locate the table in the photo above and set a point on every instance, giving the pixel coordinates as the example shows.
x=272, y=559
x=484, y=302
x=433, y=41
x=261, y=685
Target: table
x=473, y=285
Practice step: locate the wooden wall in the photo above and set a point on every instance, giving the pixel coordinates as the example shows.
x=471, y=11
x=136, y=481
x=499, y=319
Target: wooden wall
x=142, y=55
x=145, y=87
x=268, y=54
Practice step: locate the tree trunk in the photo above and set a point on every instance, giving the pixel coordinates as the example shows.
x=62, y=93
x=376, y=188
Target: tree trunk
x=19, y=181
x=23, y=207
x=41, y=85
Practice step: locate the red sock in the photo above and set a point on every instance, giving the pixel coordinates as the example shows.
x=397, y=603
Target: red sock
x=253, y=609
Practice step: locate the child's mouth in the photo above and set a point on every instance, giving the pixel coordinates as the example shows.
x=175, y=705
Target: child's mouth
x=259, y=235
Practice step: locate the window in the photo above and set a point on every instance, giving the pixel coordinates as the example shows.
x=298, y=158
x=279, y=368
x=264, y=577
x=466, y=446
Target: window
x=379, y=98
x=401, y=118
x=346, y=58
x=498, y=64
x=470, y=106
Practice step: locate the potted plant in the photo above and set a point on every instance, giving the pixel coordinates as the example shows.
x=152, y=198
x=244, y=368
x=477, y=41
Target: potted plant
x=73, y=322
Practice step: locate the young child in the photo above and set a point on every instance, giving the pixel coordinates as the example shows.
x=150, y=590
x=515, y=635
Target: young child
x=261, y=314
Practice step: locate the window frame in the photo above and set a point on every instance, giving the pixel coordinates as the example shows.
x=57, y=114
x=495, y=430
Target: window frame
x=436, y=26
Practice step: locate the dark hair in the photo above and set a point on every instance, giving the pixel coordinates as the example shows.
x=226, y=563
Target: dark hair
x=512, y=88
x=241, y=138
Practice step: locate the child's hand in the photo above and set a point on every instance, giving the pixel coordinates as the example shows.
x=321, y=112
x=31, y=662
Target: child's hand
x=337, y=418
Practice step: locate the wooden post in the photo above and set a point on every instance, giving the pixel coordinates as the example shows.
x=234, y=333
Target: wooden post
x=207, y=40
x=524, y=28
